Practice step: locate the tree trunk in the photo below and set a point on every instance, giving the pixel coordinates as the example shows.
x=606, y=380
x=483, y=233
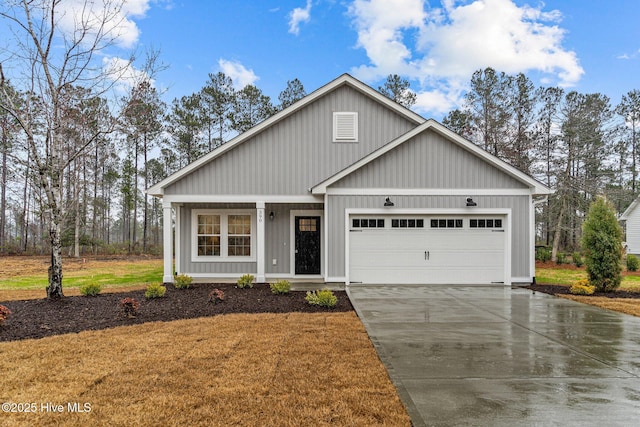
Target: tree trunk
x=54, y=289
x=3, y=196
x=558, y=232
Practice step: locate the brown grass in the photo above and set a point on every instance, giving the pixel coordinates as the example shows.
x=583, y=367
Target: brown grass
x=250, y=370
x=622, y=305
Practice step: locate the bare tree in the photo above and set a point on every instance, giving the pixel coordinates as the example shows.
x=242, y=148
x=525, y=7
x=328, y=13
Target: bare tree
x=55, y=47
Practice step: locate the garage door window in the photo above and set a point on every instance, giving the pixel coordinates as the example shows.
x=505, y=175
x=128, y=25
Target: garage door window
x=446, y=223
x=368, y=223
x=407, y=223
x=485, y=223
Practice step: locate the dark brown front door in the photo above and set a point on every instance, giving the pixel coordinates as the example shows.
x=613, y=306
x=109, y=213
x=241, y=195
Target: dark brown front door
x=307, y=235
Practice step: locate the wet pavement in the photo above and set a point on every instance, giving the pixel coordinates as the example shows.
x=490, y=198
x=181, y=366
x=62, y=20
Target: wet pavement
x=497, y=356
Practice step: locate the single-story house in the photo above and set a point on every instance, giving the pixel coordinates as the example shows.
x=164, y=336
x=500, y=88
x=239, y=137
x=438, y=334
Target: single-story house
x=632, y=218
x=348, y=186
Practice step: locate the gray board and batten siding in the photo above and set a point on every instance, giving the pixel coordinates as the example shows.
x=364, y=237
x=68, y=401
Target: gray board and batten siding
x=295, y=154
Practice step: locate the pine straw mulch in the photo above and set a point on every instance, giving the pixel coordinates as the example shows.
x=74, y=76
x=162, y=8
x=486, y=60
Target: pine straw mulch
x=38, y=318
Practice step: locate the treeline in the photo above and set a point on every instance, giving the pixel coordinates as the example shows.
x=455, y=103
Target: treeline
x=105, y=207
x=578, y=144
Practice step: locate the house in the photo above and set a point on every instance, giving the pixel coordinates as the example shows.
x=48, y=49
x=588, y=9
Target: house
x=632, y=218
x=348, y=186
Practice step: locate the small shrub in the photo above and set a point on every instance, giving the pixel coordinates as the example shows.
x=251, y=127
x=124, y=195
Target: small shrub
x=543, y=254
x=182, y=281
x=129, y=307
x=216, y=296
x=280, y=287
x=91, y=289
x=577, y=259
x=561, y=258
x=4, y=314
x=633, y=263
x=323, y=298
x=246, y=281
x=155, y=290
x=582, y=287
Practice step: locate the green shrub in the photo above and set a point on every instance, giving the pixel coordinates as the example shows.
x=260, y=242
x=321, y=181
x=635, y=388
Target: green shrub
x=129, y=307
x=182, y=281
x=543, y=254
x=323, y=298
x=246, y=281
x=582, y=287
x=90, y=289
x=577, y=259
x=561, y=258
x=602, y=246
x=155, y=290
x=4, y=314
x=633, y=263
x=280, y=287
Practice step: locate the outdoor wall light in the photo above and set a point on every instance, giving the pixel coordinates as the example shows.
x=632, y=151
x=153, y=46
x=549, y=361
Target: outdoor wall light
x=470, y=202
x=272, y=216
x=388, y=202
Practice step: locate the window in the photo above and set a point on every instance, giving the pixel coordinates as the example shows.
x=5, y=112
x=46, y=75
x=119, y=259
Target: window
x=485, y=223
x=407, y=223
x=446, y=223
x=345, y=127
x=367, y=223
x=221, y=236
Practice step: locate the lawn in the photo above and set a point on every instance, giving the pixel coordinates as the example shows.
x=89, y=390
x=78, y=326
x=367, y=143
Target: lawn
x=236, y=369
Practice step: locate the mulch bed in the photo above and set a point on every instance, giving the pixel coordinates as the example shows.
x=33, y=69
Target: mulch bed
x=42, y=318
x=564, y=290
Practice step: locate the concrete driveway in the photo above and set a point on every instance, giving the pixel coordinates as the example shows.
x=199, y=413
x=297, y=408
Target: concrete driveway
x=489, y=356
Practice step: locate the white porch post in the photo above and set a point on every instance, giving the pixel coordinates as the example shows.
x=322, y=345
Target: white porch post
x=167, y=241
x=260, y=243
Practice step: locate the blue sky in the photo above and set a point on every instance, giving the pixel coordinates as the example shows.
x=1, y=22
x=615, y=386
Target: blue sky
x=586, y=45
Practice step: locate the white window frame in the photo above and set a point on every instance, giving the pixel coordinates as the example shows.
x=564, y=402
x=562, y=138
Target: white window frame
x=339, y=116
x=224, y=235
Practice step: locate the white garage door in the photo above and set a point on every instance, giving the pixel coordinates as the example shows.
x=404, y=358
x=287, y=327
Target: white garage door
x=427, y=249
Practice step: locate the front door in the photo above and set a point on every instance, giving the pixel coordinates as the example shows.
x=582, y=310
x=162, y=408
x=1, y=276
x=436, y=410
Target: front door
x=307, y=250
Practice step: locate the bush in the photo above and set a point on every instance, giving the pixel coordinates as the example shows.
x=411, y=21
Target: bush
x=155, y=290
x=633, y=263
x=129, y=307
x=4, y=314
x=582, y=287
x=543, y=254
x=246, y=281
x=90, y=289
x=561, y=258
x=280, y=287
x=577, y=259
x=323, y=298
x=182, y=281
x=216, y=296
x=602, y=246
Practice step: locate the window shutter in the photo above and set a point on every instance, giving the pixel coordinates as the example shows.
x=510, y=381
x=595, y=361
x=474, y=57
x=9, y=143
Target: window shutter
x=345, y=126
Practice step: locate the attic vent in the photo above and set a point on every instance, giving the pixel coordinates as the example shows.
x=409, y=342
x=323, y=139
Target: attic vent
x=345, y=126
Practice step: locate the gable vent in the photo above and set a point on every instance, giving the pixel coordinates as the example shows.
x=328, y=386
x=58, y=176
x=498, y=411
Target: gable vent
x=345, y=126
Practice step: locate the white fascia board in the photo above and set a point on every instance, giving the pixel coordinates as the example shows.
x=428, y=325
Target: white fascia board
x=158, y=189
x=629, y=210
x=234, y=198
x=427, y=211
x=428, y=192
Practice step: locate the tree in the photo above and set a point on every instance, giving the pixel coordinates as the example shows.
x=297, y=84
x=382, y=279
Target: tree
x=602, y=244
x=185, y=125
x=459, y=121
x=629, y=109
x=398, y=89
x=52, y=58
x=250, y=108
x=215, y=104
x=294, y=92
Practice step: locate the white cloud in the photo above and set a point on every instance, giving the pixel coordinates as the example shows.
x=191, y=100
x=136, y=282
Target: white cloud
x=123, y=73
x=455, y=40
x=297, y=16
x=239, y=74
x=119, y=26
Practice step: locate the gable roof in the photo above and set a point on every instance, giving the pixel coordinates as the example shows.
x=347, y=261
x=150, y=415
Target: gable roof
x=627, y=213
x=535, y=186
x=345, y=79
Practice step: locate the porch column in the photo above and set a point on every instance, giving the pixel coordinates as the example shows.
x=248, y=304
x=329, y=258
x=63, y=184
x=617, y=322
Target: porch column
x=167, y=241
x=260, y=243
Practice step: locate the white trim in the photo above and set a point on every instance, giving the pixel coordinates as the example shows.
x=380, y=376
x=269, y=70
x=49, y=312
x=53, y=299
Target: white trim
x=260, y=242
x=178, y=237
x=534, y=186
x=627, y=213
x=432, y=211
x=521, y=280
x=428, y=192
x=336, y=280
x=224, y=214
x=292, y=240
x=235, y=198
x=167, y=243
x=325, y=235
x=345, y=79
